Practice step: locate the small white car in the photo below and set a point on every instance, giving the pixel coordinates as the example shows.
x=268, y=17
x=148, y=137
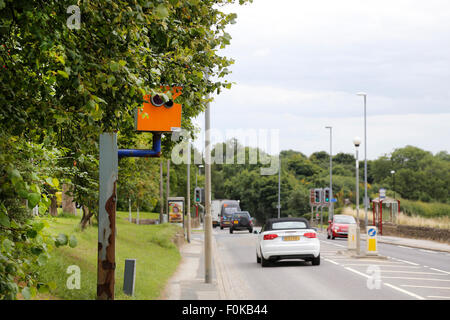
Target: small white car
x=287, y=238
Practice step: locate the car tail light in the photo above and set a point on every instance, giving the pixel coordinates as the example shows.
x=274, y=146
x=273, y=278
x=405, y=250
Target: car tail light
x=270, y=236
x=310, y=235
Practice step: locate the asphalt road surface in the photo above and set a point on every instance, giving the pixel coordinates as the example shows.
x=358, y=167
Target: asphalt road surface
x=408, y=273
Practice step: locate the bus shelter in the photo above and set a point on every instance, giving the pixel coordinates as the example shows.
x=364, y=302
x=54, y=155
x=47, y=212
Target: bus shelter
x=390, y=214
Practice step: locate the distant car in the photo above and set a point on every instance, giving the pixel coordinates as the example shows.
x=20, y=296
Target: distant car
x=241, y=220
x=287, y=238
x=338, y=227
x=225, y=217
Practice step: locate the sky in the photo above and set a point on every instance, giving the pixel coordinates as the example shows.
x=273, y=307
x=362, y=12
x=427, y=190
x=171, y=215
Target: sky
x=300, y=64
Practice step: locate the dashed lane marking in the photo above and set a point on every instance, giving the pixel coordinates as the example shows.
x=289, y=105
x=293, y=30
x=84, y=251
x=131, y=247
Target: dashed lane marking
x=409, y=262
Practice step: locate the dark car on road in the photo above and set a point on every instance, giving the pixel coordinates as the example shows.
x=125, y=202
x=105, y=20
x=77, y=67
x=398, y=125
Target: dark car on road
x=241, y=220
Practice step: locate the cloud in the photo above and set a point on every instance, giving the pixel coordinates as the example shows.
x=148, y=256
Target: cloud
x=299, y=65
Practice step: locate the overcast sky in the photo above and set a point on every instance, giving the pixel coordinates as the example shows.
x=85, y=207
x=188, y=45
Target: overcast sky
x=299, y=65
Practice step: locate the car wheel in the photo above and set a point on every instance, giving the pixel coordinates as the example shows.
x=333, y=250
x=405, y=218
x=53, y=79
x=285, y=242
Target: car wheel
x=264, y=262
x=332, y=237
x=316, y=261
x=221, y=228
x=231, y=230
x=258, y=259
x=250, y=230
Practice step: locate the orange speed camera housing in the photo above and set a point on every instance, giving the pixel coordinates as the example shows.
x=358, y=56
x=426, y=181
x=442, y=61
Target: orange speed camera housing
x=159, y=116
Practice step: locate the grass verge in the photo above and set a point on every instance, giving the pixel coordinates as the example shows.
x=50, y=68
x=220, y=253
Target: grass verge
x=151, y=245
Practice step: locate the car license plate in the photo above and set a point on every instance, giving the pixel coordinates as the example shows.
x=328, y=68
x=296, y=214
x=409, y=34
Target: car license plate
x=235, y=222
x=291, y=238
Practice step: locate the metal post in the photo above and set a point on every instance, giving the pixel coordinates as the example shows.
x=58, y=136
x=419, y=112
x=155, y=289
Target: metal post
x=321, y=218
x=161, y=194
x=331, y=207
x=137, y=215
x=188, y=198
x=279, y=185
x=108, y=174
x=358, y=231
x=168, y=189
x=208, y=218
x=365, y=163
x=129, y=210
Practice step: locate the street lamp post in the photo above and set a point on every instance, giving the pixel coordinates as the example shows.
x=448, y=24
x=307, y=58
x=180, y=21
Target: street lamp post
x=331, y=208
x=363, y=94
x=279, y=187
x=357, y=142
x=393, y=181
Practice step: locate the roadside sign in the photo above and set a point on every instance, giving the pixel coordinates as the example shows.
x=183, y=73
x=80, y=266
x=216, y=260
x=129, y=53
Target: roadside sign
x=176, y=209
x=382, y=193
x=311, y=197
x=372, y=232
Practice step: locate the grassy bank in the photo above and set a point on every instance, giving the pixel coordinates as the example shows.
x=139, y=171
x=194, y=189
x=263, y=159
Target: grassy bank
x=151, y=245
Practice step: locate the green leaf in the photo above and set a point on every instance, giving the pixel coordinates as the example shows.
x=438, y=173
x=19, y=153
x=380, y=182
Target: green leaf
x=114, y=66
x=26, y=293
x=55, y=182
x=33, y=199
x=42, y=259
x=7, y=245
x=161, y=11
x=63, y=74
x=73, y=241
x=4, y=219
x=61, y=240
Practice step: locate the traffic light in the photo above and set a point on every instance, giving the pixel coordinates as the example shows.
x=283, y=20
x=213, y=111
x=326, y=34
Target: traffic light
x=327, y=195
x=198, y=195
x=318, y=196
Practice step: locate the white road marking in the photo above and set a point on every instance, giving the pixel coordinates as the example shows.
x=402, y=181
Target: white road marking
x=440, y=270
x=427, y=287
x=329, y=260
x=409, y=262
x=429, y=251
x=410, y=278
x=380, y=265
x=389, y=285
x=401, y=271
x=404, y=291
x=405, y=247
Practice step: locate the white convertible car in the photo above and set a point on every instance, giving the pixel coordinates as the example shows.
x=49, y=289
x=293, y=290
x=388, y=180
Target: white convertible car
x=287, y=238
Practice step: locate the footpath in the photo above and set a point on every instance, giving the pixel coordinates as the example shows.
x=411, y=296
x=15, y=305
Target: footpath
x=188, y=282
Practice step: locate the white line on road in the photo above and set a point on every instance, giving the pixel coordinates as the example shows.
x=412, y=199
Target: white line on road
x=427, y=287
x=410, y=278
x=388, y=284
x=440, y=270
x=329, y=260
x=380, y=265
x=402, y=271
x=409, y=262
x=405, y=247
x=429, y=251
x=404, y=291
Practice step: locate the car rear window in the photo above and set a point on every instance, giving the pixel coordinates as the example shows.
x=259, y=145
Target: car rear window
x=240, y=215
x=289, y=225
x=344, y=219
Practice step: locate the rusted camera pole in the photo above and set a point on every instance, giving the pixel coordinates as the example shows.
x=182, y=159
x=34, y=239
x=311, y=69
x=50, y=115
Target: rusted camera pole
x=108, y=172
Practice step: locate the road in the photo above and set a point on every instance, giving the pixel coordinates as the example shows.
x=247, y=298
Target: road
x=407, y=273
